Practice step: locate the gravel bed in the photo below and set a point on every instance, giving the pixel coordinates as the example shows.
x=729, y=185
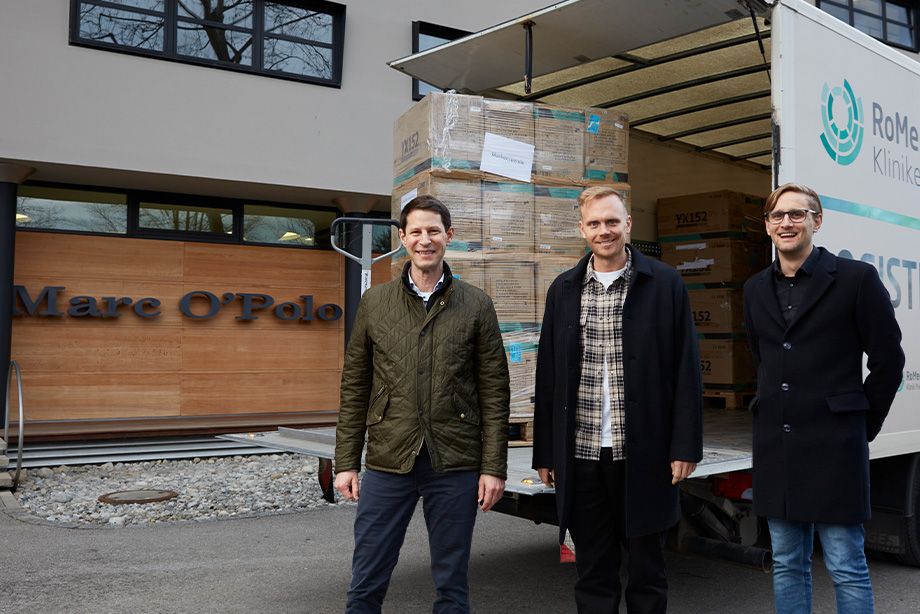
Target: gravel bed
x=208, y=489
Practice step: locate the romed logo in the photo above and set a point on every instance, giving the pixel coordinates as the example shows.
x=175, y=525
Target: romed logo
x=842, y=116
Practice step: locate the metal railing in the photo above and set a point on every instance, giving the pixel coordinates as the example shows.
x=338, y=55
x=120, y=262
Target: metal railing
x=14, y=368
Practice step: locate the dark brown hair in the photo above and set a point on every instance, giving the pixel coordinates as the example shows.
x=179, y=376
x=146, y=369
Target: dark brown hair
x=425, y=203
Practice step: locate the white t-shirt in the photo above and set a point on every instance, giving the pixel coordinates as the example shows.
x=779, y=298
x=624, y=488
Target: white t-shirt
x=607, y=278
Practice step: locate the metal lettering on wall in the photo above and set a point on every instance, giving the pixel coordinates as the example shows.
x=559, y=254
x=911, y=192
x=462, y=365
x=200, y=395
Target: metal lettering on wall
x=196, y=305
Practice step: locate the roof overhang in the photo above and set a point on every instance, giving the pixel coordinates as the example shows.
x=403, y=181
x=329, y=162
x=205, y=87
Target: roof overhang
x=686, y=71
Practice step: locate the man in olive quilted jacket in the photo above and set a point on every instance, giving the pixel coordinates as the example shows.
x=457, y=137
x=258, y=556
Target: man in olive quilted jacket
x=426, y=380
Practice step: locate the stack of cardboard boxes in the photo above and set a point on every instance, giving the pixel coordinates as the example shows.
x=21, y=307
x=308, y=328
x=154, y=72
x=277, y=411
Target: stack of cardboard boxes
x=510, y=172
x=716, y=241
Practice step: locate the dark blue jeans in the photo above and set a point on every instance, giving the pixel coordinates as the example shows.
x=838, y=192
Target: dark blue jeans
x=844, y=557
x=385, y=507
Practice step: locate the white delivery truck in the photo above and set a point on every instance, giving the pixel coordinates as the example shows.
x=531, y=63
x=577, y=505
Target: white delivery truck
x=737, y=95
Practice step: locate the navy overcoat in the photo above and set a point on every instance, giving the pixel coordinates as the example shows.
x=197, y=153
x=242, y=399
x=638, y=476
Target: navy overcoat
x=815, y=414
x=662, y=390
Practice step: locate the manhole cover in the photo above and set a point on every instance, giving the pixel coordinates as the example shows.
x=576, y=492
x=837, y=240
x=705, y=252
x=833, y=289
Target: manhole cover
x=146, y=495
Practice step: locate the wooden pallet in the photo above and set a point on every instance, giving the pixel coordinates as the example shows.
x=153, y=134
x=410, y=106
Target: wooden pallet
x=727, y=399
x=520, y=431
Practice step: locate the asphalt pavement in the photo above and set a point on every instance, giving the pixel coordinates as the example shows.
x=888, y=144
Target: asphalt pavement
x=300, y=562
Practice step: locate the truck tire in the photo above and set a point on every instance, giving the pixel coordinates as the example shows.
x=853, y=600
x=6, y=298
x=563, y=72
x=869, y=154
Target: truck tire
x=911, y=519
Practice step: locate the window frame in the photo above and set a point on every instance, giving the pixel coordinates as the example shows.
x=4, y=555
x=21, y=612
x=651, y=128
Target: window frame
x=135, y=197
x=170, y=52
x=431, y=29
x=912, y=7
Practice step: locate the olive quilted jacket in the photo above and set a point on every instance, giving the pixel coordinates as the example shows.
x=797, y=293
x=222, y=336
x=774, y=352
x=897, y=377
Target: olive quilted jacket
x=437, y=376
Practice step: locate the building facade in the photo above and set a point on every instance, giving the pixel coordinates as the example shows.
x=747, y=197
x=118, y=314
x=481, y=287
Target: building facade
x=173, y=167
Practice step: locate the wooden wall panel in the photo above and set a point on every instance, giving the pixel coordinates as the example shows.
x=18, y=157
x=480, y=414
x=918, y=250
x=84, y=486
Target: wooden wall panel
x=380, y=272
x=80, y=396
x=55, y=256
x=268, y=349
x=260, y=392
x=70, y=346
x=216, y=265
x=171, y=365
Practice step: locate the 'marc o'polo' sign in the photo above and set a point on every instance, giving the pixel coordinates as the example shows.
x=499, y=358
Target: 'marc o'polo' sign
x=195, y=305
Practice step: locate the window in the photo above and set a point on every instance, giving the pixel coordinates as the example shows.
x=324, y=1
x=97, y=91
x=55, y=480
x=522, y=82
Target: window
x=150, y=215
x=292, y=39
x=285, y=226
x=77, y=210
x=892, y=22
x=425, y=36
x=184, y=218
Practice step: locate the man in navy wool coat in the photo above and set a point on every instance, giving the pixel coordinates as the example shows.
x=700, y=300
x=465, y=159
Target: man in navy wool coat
x=810, y=317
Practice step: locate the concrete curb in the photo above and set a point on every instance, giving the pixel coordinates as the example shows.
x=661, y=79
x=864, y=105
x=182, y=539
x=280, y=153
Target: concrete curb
x=8, y=501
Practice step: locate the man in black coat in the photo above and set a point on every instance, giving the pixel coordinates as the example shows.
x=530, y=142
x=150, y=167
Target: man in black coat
x=618, y=414
x=810, y=317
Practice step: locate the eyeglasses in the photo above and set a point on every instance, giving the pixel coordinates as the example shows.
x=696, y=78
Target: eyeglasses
x=795, y=215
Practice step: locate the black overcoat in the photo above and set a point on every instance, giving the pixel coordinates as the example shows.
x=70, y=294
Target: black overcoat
x=814, y=414
x=662, y=391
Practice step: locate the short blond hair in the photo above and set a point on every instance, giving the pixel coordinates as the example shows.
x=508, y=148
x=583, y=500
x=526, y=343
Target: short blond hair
x=600, y=191
x=813, y=201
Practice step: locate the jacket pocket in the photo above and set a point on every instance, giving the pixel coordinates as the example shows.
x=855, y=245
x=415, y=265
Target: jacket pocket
x=852, y=401
x=378, y=406
x=464, y=410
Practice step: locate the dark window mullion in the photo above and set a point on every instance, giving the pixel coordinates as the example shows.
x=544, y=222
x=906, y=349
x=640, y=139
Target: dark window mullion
x=884, y=18
x=258, y=48
x=172, y=10
x=237, y=222
x=300, y=41
x=133, y=214
x=338, y=41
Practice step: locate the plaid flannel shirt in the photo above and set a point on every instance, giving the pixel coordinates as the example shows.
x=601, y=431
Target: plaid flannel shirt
x=601, y=321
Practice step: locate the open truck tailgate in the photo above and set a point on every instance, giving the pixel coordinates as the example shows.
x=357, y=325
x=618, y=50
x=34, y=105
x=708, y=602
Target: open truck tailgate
x=728, y=432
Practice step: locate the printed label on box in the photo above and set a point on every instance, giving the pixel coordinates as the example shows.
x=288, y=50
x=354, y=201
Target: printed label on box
x=407, y=197
x=506, y=157
x=594, y=123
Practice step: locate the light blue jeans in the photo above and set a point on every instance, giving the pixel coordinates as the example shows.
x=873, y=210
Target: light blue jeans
x=844, y=556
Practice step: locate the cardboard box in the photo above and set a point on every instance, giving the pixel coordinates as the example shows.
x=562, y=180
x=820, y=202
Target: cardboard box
x=507, y=217
x=716, y=260
x=548, y=268
x=726, y=362
x=521, y=353
x=722, y=211
x=463, y=198
x=717, y=310
x=556, y=217
x=469, y=267
x=442, y=131
x=606, y=145
x=511, y=119
x=560, y=144
x=511, y=284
